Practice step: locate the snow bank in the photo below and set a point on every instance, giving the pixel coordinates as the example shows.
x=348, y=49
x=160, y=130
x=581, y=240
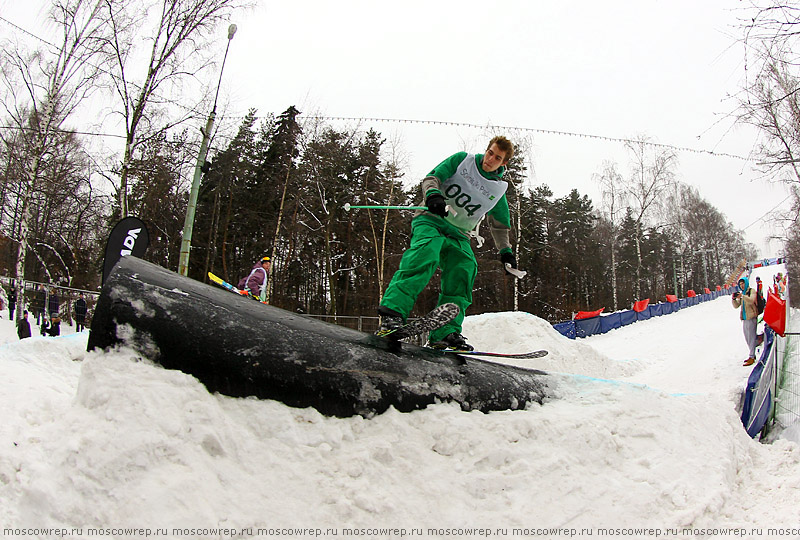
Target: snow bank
x=107, y=439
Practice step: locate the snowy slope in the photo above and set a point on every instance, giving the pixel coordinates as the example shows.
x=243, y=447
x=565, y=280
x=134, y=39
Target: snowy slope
x=645, y=432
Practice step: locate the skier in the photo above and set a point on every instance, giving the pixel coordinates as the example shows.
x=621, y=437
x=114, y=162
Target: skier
x=255, y=283
x=458, y=193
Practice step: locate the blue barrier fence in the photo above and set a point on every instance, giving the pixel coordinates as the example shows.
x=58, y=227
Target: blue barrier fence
x=604, y=323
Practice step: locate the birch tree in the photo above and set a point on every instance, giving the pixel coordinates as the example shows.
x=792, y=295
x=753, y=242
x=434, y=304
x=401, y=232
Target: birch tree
x=770, y=99
x=614, y=199
x=149, y=84
x=651, y=176
x=44, y=87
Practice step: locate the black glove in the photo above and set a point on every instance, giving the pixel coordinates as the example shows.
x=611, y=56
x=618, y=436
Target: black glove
x=436, y=205
x=508, y=257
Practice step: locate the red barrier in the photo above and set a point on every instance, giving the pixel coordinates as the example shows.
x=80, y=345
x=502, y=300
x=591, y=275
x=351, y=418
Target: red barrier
x=775, y=314
x=588, y=314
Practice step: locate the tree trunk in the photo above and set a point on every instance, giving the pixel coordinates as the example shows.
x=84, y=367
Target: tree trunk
x=278, y=227
x=638, y=287
x=614, y=270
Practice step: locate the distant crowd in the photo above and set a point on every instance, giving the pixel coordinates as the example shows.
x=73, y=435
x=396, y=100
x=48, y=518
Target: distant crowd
x=45, y=307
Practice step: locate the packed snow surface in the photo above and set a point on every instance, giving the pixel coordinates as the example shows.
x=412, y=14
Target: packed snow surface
x=643, y=432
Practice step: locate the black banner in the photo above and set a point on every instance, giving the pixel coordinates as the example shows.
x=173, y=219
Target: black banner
x=129, y=237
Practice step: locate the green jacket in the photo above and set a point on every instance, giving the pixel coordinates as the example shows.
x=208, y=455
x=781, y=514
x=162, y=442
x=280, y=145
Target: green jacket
x=499, y=217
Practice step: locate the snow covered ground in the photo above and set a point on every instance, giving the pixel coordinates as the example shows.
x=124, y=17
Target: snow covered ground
x=644, y=434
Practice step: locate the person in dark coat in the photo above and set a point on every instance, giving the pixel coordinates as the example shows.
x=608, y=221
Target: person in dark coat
x=80, y=313
x=53, y=308
x=23, y=326
x=39, y=304
x=53, y=304
x=12, y=302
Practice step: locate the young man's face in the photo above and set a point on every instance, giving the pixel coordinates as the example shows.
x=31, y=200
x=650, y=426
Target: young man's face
x=493, y=159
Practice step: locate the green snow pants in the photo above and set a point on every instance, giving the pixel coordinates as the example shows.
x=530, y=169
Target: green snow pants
x=434, y=243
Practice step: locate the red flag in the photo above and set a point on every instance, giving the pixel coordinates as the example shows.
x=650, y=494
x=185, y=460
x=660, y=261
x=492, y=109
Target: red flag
x=706, y=290
x=672, y=298
x=588, y=314
x=690, y=293
x=641, y=305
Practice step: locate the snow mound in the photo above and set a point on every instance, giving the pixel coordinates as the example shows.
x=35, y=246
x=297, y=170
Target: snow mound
x=518, y=331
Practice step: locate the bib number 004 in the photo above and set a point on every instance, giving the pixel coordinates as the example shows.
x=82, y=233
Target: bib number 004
x=460, y=199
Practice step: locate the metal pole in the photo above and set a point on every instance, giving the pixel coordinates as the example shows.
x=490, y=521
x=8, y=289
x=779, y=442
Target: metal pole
x=188, y=224
x=349, y=207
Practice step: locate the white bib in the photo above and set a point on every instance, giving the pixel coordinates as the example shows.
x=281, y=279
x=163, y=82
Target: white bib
x=470, y=195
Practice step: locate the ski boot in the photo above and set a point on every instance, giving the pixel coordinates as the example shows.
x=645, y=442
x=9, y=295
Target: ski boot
x=390, y=321
x=453, y=341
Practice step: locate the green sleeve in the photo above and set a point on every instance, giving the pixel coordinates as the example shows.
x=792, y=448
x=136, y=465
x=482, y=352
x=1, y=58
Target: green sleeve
x=448, y=167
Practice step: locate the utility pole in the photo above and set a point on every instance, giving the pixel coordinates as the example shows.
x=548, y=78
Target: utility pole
x=705, y=266
x=188, y=224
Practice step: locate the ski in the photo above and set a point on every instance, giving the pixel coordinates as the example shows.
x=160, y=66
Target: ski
x=518, y=356
x=436, y=318
x=224, y=284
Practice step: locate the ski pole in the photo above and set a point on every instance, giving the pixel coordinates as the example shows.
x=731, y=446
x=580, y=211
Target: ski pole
x=349, y=207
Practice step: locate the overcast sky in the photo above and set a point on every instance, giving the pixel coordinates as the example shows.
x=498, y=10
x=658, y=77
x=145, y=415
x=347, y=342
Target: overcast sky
x=615, y=69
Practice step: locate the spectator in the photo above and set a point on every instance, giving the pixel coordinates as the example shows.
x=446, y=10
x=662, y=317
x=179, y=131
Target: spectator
x=39, y=303
x=255, y=284
x=53, y=306
x=53, y=328
x=780, y=284
x=761, y=301
x=12, y=302
x=23, y=326
x=80, y=313
x=745, y=300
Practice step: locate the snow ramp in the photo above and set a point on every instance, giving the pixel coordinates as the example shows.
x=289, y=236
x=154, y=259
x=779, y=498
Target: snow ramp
x=240, y=348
